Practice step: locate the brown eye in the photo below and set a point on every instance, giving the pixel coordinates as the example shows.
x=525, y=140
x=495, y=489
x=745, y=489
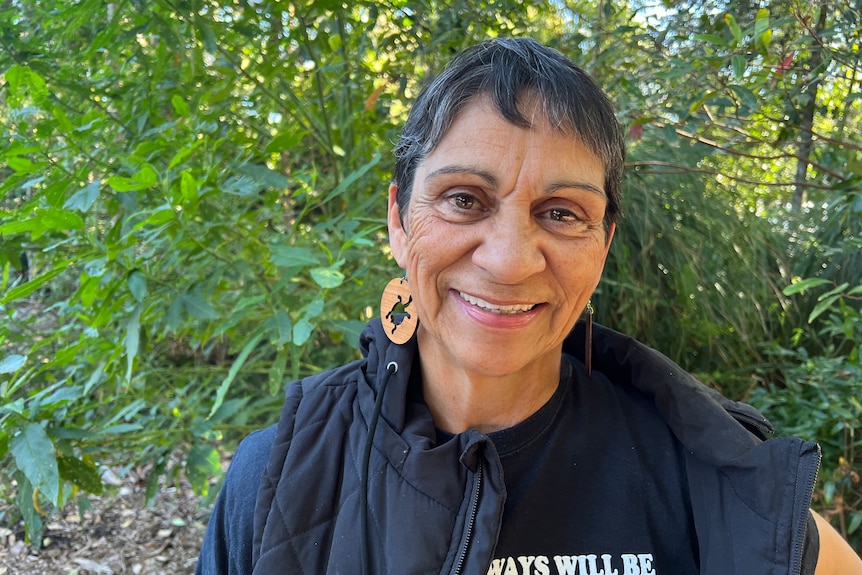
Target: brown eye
x=561, y=215
x=463, y=201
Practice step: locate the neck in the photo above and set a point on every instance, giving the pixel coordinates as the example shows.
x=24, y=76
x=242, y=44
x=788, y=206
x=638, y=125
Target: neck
x=460, y=400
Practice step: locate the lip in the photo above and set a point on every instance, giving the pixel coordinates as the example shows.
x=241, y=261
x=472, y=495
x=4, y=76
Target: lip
x=506, y=316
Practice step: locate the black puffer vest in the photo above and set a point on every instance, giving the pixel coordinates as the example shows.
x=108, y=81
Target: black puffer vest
x=437, y=508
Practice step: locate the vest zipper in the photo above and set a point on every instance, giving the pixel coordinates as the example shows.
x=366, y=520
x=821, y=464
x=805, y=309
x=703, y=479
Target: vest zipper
x=803, y=524
x=471, y=520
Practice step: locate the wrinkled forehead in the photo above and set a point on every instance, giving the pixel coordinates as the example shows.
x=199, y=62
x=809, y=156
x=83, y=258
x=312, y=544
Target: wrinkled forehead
x=529, y=110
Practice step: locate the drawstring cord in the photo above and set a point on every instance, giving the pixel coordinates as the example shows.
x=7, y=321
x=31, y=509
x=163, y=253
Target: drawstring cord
x=391, y=369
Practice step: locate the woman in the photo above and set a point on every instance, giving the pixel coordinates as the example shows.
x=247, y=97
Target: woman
x=482, y=433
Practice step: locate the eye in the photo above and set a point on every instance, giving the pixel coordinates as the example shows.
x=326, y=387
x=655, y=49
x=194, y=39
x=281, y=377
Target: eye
x=463, y=201
x=561, y=215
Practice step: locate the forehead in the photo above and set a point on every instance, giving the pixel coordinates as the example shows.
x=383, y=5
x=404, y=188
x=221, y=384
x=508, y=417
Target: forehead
x=479, y=132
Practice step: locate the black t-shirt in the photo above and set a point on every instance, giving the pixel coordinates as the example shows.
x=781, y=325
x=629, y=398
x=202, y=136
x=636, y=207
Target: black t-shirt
x=596, y=485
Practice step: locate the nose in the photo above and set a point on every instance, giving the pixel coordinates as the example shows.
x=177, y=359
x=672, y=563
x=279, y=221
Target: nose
x=510, y=249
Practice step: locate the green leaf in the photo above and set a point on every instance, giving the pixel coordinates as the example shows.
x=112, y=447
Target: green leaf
x=182, y=154
x=80, y=473
x=22, y=166
x=739, y=66
x=32, y=225
x=34, y=456
x=351, y=178
x=17, y=76
x=263, y=175
x=803, y=285
x=17, y=406
x=132, y=340
x=351, y=329
x=763, y=42
x=227, y=410
x=12, y=363
x=71, y=433
x=302, y=330
x=188, y=188
x=26, y=289
x=198, y=308
x=284, y=141
x=712, y=39
x=209, y=39
x=746, y=96
x=234, y=370
x=291, y=256
x=283, y=327
x=89, y=290
x=60, y=396
x=276, y=371
x=145, y=178
x=83, y=199
x=54, y=219
x=201, y=464
x=174, y=314
x=762, y=31
x=24, y=502
x=327, y=278
x=836, y=290
x=62, y=119
x=121, y=428
x=160, y=216
x=137, y=285
x=180, y=106
x=734, y=27
x=821, y=307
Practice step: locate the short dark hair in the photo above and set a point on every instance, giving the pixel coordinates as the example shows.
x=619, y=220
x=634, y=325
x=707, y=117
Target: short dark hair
x=508, y=70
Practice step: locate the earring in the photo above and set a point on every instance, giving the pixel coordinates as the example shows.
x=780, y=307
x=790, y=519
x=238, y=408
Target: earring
x=588, y=340
x=399, y=321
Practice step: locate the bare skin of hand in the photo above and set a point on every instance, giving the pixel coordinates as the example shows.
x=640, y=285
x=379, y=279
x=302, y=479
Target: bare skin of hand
x=836, y=556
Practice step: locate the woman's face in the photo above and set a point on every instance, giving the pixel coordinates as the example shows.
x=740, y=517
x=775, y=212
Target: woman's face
x=503, y=242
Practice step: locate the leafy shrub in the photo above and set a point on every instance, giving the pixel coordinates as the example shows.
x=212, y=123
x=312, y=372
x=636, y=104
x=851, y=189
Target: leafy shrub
x=820, y=401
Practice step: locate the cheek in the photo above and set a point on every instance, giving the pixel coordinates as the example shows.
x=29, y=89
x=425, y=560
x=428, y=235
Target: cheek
x=579, y=276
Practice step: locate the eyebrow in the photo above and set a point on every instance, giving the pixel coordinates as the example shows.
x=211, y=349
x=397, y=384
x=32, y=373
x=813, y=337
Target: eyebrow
x=578, y=185
x=487, y=176
x=491, y=180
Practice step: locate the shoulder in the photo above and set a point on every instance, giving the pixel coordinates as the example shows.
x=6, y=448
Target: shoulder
x=835, y=556
x=315, y=398
x=244, y=474
x=253, y=451
x=227, y=547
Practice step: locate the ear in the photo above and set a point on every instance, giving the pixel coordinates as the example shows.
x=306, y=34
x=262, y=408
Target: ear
x=397, y=233
x=611, y=231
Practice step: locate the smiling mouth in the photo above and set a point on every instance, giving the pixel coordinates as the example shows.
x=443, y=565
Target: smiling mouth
x=499, y=309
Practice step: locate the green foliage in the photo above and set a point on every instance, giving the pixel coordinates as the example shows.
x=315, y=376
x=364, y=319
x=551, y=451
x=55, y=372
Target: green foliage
x=818, y=399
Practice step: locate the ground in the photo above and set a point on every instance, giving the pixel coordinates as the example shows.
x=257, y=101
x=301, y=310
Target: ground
x=119, y=535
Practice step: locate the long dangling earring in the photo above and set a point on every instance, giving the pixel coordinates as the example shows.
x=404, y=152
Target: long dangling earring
x=399, y=319
x=588, y=339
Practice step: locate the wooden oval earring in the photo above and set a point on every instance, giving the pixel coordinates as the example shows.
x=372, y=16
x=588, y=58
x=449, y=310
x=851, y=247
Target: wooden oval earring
x=399, y=319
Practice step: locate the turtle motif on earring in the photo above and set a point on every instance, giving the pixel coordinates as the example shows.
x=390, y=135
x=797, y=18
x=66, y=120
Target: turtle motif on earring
x=399, y=319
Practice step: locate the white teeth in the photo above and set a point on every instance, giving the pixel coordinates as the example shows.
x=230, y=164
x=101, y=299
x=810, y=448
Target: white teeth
x=501, y=309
